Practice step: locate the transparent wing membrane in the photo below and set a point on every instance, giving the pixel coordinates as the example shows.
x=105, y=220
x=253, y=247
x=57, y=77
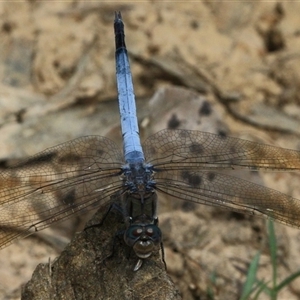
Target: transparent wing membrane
x=55, y=184
x=188, y=149
x=214, y=189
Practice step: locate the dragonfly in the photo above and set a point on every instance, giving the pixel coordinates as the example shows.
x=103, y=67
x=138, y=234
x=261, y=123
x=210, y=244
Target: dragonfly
x=74, y=177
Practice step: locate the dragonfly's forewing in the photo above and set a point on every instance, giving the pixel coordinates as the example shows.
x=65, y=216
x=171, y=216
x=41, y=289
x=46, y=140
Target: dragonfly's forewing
x=188, y=149
x=187, y=164
x=57, y=183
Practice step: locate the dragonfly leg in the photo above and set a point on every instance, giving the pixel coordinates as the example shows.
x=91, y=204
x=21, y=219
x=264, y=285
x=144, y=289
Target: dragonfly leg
x=163, y=255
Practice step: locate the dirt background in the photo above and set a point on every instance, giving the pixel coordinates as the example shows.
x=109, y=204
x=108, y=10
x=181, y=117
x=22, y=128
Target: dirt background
x=57, y=82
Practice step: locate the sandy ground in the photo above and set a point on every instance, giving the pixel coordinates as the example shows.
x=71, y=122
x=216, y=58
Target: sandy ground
x=57, y=77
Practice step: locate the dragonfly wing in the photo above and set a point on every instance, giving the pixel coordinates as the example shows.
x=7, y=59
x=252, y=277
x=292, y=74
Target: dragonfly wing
x=215, y=189
x=56, y=183
x=187, y=149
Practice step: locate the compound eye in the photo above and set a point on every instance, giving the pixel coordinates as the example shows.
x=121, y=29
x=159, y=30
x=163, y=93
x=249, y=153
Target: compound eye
x=137, y=232
x=149, y=231
x=134, y=231
x=132, y=234
x=154, y=233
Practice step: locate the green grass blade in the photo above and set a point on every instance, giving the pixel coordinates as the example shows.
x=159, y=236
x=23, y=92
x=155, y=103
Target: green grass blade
x=287, y=280
x=261, y=287
x=273, y=251
x=251, y=277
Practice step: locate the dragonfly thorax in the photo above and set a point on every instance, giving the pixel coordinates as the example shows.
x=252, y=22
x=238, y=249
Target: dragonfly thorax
x=139, y=177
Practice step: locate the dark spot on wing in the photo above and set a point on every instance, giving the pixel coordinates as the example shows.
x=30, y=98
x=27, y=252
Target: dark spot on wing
x=185, y=174
x=69, y=198
x=174, y=122
x=100, y=152
x=211, y=176
x=205, y=109
x=232, y=149
x=151, y=151
x=38, y=159
x=233, y=162
x=235, y=159
x=192, y=179
x=215, y=157
x=196, y=148
x=69, y=158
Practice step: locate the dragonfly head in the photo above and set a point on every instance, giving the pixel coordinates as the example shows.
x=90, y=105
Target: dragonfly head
x=142, y=238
